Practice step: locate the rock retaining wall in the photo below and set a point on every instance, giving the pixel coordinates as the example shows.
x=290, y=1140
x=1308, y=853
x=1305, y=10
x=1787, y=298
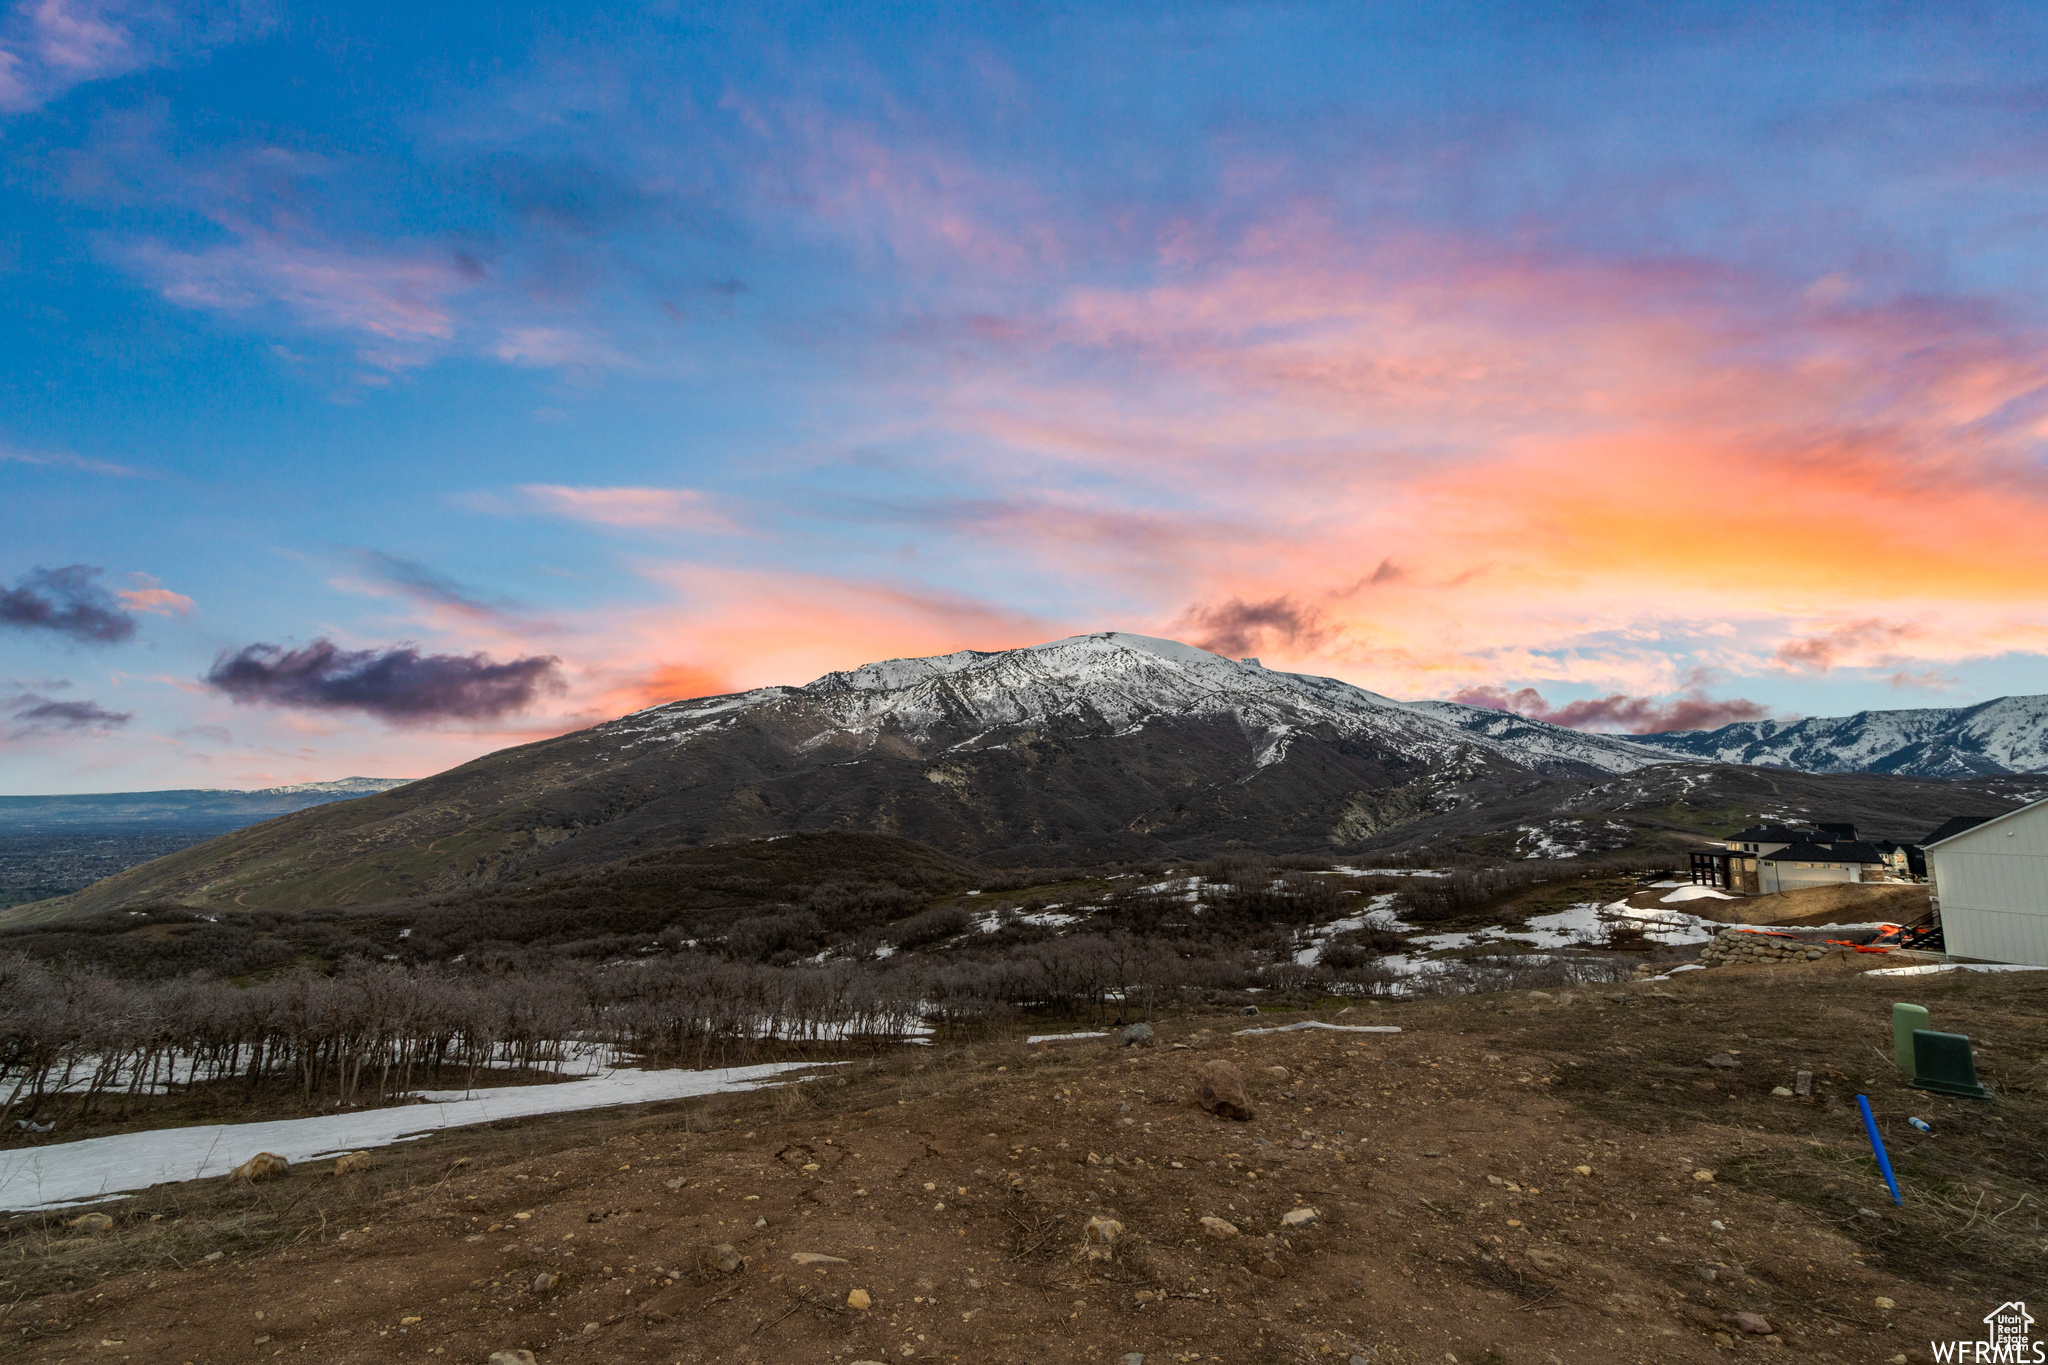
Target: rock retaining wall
x=1734, y=947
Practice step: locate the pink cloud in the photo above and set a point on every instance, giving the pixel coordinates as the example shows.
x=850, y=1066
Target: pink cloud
x=159, y=601
x=1631, y=715
x=399, y=298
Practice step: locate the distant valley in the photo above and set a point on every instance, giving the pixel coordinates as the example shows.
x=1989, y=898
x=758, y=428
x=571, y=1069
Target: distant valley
x=54, y=845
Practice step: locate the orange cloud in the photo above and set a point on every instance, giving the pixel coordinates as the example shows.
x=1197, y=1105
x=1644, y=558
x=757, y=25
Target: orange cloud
x=1550, y=453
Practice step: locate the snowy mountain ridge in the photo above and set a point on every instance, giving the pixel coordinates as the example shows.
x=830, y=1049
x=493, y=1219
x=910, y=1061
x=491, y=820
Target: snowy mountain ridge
x=2005, y=735
x=1115, y=682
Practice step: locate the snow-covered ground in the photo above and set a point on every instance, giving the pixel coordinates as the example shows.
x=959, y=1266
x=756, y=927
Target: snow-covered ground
x=104, y=1167
x=1695, y=893
x=1932, y=967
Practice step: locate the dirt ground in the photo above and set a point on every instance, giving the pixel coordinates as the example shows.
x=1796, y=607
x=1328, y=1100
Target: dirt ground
x=1813, y=905
x=1515, y=1178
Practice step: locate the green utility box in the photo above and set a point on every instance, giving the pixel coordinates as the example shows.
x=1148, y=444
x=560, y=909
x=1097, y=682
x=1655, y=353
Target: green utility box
x=1907, y=1020
x=1943, y=1063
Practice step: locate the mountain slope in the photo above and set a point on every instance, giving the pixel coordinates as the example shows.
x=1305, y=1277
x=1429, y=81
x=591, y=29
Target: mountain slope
x=1087, y=749
x=2007, y=735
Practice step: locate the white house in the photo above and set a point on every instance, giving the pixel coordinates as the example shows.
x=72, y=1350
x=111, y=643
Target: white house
x=1991, y=888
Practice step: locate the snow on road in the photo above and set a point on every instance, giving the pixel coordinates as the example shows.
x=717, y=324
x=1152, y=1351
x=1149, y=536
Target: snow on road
x=104, y=1167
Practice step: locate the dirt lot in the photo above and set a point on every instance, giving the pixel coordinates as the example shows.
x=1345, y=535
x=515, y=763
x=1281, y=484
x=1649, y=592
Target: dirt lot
x=1512, y=1178
x=1809, y=906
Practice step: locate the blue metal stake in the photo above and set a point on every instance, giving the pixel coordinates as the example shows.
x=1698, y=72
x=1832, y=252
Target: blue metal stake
x=1884, y=1163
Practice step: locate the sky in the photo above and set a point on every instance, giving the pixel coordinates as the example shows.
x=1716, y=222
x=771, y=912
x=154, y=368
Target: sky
x=384, y=385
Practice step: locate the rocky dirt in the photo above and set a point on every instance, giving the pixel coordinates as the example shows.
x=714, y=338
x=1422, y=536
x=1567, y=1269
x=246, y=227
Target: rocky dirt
x=1542, y=1178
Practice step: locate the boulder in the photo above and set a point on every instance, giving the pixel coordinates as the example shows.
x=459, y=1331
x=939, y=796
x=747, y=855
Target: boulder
x=1219, y=1088
x=1294, y=1218
x=1751, y=1322
x=262, y=1166
x=1219, y=1229
x=725, y=1258
x=1137, y=1035
x=354, y=1161
x=521, y=1357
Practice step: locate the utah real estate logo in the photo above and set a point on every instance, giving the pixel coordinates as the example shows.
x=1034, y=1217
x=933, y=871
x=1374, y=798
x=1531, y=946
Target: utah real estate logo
x=2007, y=1338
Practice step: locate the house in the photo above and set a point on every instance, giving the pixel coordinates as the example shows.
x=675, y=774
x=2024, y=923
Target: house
x=1765, y=859
x=1991, y=887
x=1905, y=861
x=1810, y=863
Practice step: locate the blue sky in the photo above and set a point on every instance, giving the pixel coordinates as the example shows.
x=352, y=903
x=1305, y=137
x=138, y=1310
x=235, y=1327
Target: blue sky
x=413, y=384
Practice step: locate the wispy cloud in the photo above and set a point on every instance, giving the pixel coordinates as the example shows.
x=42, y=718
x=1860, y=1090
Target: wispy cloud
x=47, y=47
x=669, y=509
x=31, y=714
x=58, y=459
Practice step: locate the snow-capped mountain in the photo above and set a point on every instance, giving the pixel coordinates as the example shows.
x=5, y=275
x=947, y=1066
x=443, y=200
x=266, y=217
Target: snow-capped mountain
x=1091, y=749
x=2008, y=735
x=1116, y=683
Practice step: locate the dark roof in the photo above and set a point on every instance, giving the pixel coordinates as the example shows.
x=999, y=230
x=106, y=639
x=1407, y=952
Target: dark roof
x=1770, y=834
x=1837, y=832
x=1824, y=853
x=1953, y=826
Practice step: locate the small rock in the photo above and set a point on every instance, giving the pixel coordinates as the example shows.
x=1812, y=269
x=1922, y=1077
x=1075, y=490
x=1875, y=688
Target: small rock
x=1219, y=1088
x=1724, y=1341
x=590, y=1329
x=1098, y=1238
x=1271, y=1268
x=1432, y=1155
x=725, y=1258
x=1783, y=1092
x=1547, y=1261
x=1137, y=1035
x=1280, y=1073
x=97, y=1224
x=521, y=1357
x=1883, y=1302
x=354, y=1161
x=1249, y=1010
x=1722, y=1060
x=1751, y=1322
x=815, y=1258
x=545, y=1281
x=1704, y=1177
x=1294, y=1218
x=1802, y=1083
x=859, y=1299
x=409, y=1322
x=677, y=1183
x=1582, y=1170
x=1219, y=1229
x=1358, y=1360
x=1134, y=1358
x=262, y=1166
